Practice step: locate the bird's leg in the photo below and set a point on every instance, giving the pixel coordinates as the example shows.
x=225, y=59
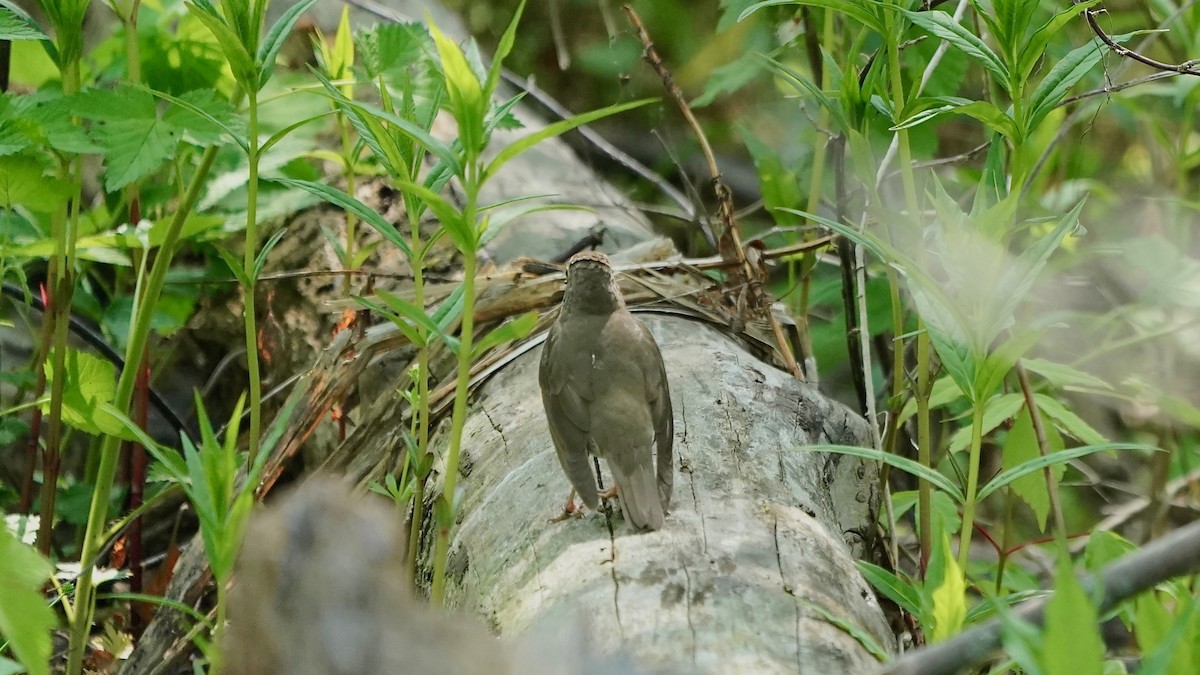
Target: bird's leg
x=570, y=509
x=609, y=493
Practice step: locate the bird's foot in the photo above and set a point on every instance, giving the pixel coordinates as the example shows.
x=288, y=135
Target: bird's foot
x=609, y=493
x=570, y=510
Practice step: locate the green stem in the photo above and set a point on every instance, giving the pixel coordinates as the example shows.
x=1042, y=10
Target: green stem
x=248, y=255
x=85, y=591
x=968, y=521
x=351, y=219
x=422, y=411
x=924, y=446
x=465, y=343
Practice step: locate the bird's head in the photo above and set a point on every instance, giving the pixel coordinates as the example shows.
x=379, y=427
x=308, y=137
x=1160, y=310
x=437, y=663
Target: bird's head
x=591, y=286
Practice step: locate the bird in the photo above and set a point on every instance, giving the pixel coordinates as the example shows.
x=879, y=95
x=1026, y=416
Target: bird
x=604, y=388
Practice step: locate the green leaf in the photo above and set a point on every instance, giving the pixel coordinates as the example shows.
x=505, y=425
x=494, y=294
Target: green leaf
x=134, y=140
x=234, y=264
x=269, y=48
x=1019, y=277
x=804, y=85
x=204, y=116
x=341, y=199
x=1065, y=73
x=22, y=183
x=997, y=409
x=260, y=260
x=409, y=313
x=464, y=235
x=16, y=25
x=451, y=308
x=240, y=61
x=1167, y=642
x=945, y=391
x=503, y=49
x=558, y=128
x=1060, y=457
x=903, y=463
x=230, y=125
x=948, y=597
x=1071, y=632
x=1061, y=375
x=896, y=589
x=1069, y=421
x=985, y=111
x=1021, y=446
x=855, y=10
x=942, y=25
x=513, y=329
x=1035, y=47
x=467, y=102
x=25, y=618
x=89, y=382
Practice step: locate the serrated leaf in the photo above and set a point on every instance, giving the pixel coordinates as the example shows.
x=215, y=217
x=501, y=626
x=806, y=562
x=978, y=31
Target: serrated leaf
x=135, y=148
x=231, y=126
x=393, y=44
x=1069, y=421
x=89, y=383
x=1021, y=446
x=205, y=117
x=19, y=26
x=22, y=183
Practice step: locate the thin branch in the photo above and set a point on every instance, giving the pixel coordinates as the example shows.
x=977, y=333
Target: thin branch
x=1174, y=555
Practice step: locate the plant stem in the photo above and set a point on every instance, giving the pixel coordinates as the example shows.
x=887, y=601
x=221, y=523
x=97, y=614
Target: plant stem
x=461, y=389
x=62, y=272
x=248, y=256
x=924, y=446
x=968, y=522
x=422, y=412
x=85, y=591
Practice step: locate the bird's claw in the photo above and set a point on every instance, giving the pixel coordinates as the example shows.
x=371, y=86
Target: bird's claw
x=570, y=510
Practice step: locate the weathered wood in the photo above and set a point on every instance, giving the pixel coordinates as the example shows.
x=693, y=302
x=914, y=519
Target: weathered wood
x=758, y=529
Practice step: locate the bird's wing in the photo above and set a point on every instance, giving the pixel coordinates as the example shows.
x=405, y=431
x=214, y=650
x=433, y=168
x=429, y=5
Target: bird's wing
x=564, y=387
x=658, y=395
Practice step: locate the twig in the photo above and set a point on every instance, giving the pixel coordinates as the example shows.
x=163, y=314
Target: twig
x=1039, y=431
x=729, y=244
x=1185, y=68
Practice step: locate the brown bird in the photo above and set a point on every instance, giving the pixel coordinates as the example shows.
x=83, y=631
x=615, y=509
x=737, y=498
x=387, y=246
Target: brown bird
x=605, y=391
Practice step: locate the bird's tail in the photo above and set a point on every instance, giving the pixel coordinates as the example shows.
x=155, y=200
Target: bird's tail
x=638, y=491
